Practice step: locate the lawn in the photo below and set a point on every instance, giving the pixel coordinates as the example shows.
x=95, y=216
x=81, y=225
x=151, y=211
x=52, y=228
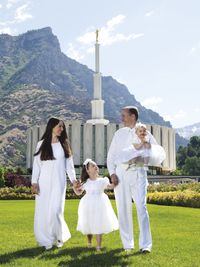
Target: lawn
x=175, y=233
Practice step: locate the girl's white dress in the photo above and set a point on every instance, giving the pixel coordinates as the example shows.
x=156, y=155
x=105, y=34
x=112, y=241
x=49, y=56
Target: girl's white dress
x=95, y=212
x=49, y=223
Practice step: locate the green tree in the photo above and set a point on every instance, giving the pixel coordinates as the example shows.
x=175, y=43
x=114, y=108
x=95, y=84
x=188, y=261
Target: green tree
x=188, y=158
x=195, y=141
x=192, y=166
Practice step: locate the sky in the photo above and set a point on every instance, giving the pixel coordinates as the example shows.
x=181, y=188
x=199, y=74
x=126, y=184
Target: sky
x=151, y=46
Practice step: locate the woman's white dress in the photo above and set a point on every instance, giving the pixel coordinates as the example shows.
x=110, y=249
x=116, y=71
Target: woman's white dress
x=49, y=223
x=95, y=212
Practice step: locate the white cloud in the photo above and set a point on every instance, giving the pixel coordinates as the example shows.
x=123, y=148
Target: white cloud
x=177, y=118
x=90, y=50
x=120, y=80
x=22, y=14
x=150, y=13
x=108, y=35
x=197, y=110
x=115, y=21
x=11, y=3
x=74, y=53
x=6, y=30
x=6, y=23
x=17, y=15
x=180, y=114
x=1, y=6
x=152, y=102
x=195, y=48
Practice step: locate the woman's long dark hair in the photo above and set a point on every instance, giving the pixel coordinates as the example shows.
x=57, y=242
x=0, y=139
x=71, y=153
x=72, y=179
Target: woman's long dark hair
x=84, y=173
x=46, y=148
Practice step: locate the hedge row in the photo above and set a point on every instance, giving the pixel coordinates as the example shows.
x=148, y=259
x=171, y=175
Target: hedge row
x=179, y=198
x=169, y=187
x=185, y=198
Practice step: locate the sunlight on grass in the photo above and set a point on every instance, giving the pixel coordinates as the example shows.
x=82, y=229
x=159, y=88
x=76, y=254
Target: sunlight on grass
x=175, y=233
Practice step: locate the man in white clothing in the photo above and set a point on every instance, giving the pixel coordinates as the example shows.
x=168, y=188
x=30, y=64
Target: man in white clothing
x=132, y=182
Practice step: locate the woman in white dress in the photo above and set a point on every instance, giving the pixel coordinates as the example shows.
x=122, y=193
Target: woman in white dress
x=95, y=213
x=53, y=158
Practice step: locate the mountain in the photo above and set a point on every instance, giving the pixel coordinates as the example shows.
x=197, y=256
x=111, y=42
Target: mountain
x=189, y=131
x=181, y=141
x=38, y=81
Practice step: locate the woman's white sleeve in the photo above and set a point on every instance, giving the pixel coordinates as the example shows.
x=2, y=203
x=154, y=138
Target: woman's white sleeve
x=70, y=169
x=37, y=163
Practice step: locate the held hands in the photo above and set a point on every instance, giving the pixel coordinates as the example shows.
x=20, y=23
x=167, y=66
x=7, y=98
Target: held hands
x=114, y=179
x=77, y=187
x=35, y=189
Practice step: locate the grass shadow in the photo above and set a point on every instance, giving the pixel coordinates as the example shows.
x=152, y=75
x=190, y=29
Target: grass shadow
x=23, y=253
x=81, y=256
x=76, y=256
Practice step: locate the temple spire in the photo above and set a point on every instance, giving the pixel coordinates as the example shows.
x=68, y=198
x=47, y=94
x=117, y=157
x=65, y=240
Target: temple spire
x=97, y=103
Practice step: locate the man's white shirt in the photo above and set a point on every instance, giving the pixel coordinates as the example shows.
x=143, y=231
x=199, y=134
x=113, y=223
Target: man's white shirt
x=121, y=149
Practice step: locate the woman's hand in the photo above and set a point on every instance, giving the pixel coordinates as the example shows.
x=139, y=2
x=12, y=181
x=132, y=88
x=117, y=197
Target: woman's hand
x=76, y=184
x=35, y=189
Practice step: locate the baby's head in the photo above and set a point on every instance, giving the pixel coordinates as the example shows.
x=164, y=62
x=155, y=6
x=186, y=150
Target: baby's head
x=141, y=130
x=90, y=169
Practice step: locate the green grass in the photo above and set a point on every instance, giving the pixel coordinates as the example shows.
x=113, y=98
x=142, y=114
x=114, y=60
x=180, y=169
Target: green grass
x=175, y=233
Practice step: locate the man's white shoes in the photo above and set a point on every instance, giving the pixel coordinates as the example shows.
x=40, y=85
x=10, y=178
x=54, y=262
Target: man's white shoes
x=145, y=250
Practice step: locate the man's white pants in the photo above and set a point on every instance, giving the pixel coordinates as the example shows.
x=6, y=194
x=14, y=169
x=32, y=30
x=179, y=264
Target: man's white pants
x=133, y=185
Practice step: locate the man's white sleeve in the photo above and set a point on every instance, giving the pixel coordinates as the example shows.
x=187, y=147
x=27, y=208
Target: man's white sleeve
x=127, y=154
x=111, y=156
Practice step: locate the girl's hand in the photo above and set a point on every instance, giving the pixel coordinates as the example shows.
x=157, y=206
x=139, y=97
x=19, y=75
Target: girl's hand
x=35, y=189
x=147, y=145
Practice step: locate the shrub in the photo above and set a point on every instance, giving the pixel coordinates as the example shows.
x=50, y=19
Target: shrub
x=185, y=198
x=16, y=193
x=7, y=171
x=2, y=181
x=168, y=187
x=13, y=179
x=23, y=192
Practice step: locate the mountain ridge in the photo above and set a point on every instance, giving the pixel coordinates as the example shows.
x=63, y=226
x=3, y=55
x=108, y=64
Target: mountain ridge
x=189, y=130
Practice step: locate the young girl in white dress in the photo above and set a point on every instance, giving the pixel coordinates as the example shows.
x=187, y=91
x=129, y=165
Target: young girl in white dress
x=95, y=213
x=52, y=160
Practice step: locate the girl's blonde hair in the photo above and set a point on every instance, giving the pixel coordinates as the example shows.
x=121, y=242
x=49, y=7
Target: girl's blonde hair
x=140, y=125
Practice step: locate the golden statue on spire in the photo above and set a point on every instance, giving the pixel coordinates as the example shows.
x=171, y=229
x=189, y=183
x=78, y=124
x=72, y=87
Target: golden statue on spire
x=97, y=36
